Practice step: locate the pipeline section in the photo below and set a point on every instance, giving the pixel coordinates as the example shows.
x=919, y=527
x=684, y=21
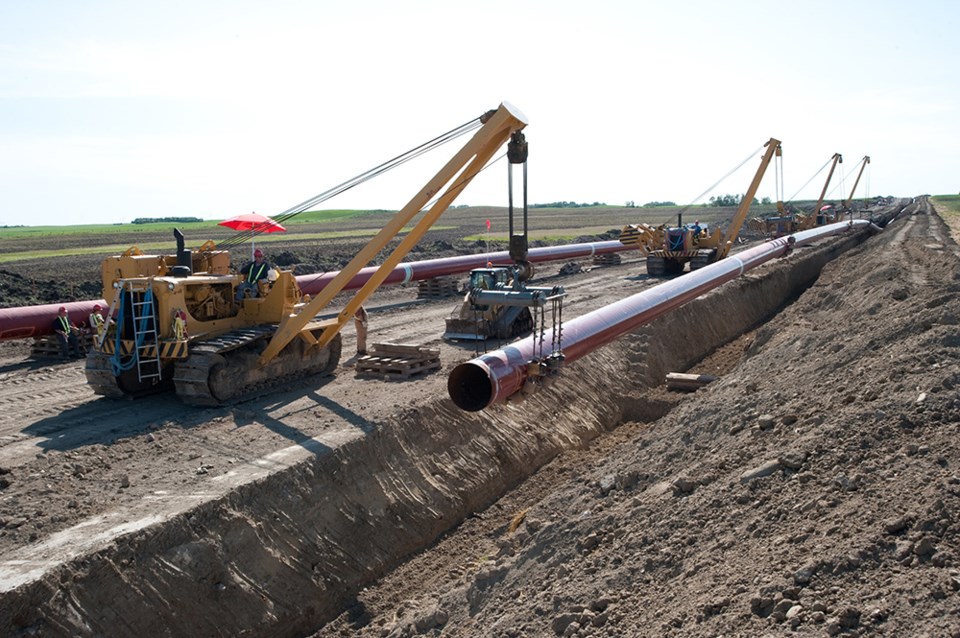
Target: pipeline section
x=430, y=268
x=498, y=375
x=37, y=321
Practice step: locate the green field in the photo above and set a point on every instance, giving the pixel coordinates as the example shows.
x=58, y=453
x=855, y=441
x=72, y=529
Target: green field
x=30, y=232
x=947, y=205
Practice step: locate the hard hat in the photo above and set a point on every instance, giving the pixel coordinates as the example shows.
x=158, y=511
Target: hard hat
x=258, y=253
x=96, y=306
x=62, y=309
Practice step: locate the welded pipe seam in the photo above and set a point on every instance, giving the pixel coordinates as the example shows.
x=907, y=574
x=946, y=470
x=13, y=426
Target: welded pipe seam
x=737, y=259
x=497, y=375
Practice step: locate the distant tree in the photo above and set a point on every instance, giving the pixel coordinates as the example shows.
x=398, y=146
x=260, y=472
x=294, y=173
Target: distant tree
x=165, y=220
x=567, y=205
x=658, y=204
x=733, y=200
x=630, y=204
x=765, y=201
x=725, y=200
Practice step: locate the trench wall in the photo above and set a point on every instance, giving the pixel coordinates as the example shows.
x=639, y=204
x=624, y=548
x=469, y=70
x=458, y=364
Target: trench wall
x=282, y=556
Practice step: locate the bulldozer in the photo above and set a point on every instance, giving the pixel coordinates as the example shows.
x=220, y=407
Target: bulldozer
x=669, y=249
x=175, y=321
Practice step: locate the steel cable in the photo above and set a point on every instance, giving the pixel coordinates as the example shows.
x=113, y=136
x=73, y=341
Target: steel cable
x=399, y=160
x=429, y=204
x=719, y=181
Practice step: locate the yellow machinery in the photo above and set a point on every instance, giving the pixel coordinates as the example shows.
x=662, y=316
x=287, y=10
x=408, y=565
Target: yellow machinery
x=176, y=322
x=817, y=216
x=668, y=249
x=786, y=223
x=499, y=304
x=849, y=200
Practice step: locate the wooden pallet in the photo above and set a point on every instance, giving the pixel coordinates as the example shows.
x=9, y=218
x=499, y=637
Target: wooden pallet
x=48, y=346
x=608, y=259
x=397, y=361
x=438, y=287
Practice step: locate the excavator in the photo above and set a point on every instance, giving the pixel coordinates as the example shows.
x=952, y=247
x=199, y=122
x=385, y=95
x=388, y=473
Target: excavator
x=669, y=249
x=176, y=322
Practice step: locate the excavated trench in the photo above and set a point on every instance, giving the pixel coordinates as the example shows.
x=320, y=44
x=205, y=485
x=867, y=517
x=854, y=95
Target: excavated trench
x=285, y=554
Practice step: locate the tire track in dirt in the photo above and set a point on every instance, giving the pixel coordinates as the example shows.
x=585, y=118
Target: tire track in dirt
x=54, y=408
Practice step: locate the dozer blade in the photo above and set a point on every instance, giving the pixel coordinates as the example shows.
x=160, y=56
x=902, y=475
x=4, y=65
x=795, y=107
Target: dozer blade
x=467, y=330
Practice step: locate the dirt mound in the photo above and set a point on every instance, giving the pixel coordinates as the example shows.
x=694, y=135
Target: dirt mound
x=813, y=490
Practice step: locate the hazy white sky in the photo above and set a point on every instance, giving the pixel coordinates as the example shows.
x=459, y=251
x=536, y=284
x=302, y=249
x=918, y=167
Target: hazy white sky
x=112, y=110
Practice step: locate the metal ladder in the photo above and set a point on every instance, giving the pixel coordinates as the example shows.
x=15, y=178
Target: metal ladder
x=145, y=336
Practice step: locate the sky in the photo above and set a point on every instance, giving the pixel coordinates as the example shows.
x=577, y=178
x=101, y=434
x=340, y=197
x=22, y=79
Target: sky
x=115, y=110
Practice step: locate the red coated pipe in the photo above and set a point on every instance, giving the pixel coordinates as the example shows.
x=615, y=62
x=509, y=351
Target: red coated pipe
x=430, y=268
x=497, y=375
x=36, y=321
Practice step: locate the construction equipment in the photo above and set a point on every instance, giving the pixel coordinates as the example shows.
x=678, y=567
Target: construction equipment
x=788, y=222
x=817, y=215
x=475, y=321
x=668, y=249
x=846, y=203
x=498, y=303
x=177, y=322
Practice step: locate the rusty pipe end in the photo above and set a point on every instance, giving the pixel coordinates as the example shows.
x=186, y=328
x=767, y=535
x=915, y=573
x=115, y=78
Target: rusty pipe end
x=470, y=386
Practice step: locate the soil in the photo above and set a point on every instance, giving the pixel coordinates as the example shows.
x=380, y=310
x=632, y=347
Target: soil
x=812, y=490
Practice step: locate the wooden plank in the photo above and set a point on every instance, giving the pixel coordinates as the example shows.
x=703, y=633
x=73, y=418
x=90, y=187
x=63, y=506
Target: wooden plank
x=438, y=287
x=397, y=361
x=403, y=349
x=607, y=259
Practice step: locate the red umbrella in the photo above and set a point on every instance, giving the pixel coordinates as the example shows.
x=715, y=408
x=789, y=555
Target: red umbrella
x=253, y=222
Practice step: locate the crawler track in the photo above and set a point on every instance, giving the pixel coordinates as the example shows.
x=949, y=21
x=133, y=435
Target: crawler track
x=224, y=370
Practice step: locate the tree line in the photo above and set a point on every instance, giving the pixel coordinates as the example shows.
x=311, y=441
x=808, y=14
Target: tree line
x=734, y=200
x=175, y=220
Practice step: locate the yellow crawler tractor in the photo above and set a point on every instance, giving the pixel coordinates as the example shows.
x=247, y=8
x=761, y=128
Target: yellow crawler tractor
x=787, y=223
x=668, y=249
x=175, y=322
